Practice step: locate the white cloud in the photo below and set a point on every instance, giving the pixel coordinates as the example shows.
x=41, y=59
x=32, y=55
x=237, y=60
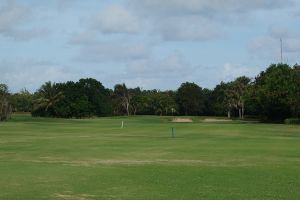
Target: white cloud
x=292, y=45
x=198, y=19
x=116, y=41
x=33, y=74
x=173, y=64
x=283, y=32
x=166, y=73
x=206, y=7
x=12, y=17
x=83, y=38
x=25, y=35
x=268, y=45
x=63, y=5
x=116, y=51
x=116, y=19
x=231, y=71
x=189, y=28
x=264, y=46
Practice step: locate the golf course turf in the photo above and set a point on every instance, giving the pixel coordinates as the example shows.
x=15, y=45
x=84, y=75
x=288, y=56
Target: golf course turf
x=90, y=159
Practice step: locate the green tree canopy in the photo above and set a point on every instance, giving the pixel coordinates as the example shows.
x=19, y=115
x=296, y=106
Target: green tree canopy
x=85, y=98
x=5, y=104
x=190, y=99
x=273, y=89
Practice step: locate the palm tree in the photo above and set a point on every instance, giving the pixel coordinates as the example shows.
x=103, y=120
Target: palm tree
x=229, y=99
x=235, y=95
x=241, y=85
x=48, y=96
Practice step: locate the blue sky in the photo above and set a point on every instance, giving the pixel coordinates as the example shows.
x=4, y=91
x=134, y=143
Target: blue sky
x=148, y=43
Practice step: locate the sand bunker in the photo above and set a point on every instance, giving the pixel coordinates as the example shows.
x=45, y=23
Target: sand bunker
x=182, y=120
x=216, y=120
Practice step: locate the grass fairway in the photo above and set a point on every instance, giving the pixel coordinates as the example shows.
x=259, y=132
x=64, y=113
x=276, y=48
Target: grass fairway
x=96, y=159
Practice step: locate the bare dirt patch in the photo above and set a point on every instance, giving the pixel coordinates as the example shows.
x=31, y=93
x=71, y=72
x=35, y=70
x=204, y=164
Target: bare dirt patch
x=182, y=120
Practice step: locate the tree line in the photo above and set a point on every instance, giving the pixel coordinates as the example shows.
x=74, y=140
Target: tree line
x=273, y=95
x=5, y=103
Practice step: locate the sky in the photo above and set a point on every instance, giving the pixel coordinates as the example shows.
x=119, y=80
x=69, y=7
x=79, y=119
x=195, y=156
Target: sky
x=153, y=44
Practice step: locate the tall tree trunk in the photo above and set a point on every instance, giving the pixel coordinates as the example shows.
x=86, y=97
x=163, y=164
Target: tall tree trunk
x=243, y=111
x=127, y=109
x=240, y=113
x=228, y=114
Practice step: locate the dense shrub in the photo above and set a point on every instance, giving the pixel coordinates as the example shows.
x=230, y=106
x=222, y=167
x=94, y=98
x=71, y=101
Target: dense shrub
x=292, y=121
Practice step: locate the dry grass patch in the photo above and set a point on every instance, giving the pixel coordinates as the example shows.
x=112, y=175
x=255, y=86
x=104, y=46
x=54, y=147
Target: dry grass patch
x=70, y=196
x=216, y=120
x=165, y=162
x=182, y=120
